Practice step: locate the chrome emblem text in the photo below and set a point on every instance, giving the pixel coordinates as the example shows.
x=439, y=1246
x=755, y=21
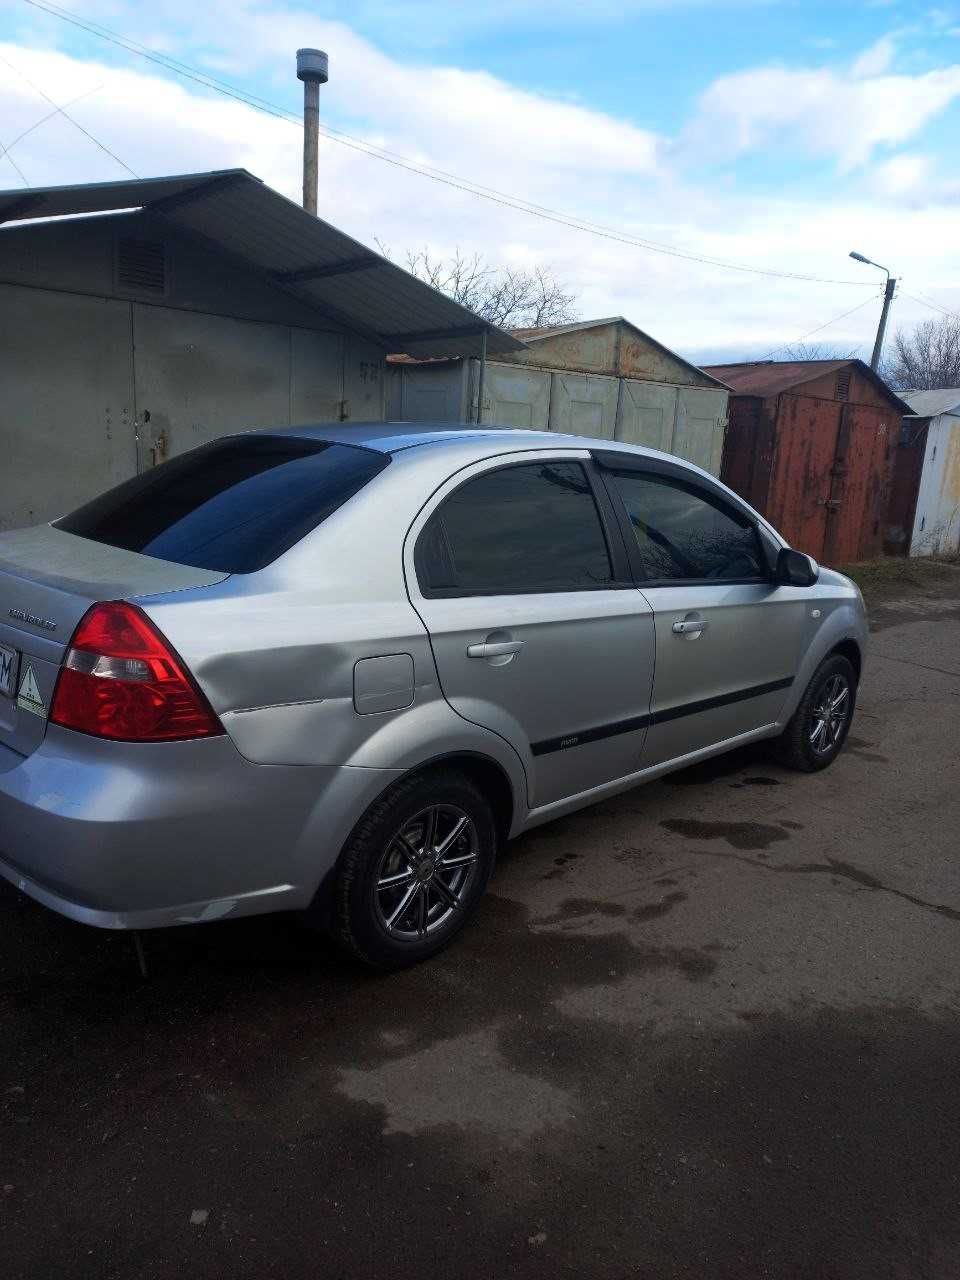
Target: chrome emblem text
x=21, y=615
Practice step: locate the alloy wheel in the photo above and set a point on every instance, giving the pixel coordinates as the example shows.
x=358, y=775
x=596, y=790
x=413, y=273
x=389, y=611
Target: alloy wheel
x=425, y=871
x=829, y=714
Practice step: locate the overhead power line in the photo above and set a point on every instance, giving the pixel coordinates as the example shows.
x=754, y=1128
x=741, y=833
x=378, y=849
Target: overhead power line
x=59, y=111
x=23, y=177
x=5, y=151
x=820, y=327
x=931, y=305
x=491, y=194
x=76, y=124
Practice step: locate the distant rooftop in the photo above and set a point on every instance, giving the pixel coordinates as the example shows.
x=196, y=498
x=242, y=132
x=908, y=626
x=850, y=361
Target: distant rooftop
x=573, y=326
x=770, y=377
x=767, y=377
x=930, y=404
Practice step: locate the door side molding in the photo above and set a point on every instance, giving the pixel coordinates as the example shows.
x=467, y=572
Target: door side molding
x=580, y=737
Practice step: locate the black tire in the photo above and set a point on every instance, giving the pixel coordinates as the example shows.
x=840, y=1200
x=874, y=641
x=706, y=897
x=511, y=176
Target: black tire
x=797, y=747
x=382, y=847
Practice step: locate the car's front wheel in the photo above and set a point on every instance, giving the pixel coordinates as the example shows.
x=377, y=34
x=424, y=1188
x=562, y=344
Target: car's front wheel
x=414, y=869
x=819, y=726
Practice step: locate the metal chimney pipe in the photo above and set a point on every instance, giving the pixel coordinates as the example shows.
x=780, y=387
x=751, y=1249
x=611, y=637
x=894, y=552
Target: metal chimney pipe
x=312, y=70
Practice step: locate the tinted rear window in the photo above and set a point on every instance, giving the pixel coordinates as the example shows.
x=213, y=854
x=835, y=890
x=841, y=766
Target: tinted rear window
x=232, y=506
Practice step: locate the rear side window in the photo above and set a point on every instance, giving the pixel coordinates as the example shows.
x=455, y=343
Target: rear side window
x=532, y=527
x=682, y=535
x=232, y=506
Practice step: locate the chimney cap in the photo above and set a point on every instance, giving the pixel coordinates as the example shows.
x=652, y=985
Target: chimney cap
x=312, y=65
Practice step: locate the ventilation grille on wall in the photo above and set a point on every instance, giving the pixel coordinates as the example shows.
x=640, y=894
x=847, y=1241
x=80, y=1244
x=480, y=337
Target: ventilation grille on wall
x=843, y=386
x=141, y=265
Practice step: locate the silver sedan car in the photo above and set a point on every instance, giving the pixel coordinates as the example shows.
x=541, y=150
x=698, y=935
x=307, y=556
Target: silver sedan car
x=332, y=669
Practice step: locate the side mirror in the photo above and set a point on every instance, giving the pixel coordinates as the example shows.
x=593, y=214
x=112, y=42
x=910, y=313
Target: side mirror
x=794, y=569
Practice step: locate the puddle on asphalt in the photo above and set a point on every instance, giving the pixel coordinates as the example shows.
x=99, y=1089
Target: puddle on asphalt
x=655, y=910
x=740, y=835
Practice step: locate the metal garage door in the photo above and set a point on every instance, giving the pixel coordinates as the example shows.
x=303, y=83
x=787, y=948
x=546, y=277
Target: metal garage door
x=432, y=393
x=514, y=397
x=648, y=413
x=316, y=371
x=584, y=404
x=66, y=393
x=700, y=427
x=201, y=376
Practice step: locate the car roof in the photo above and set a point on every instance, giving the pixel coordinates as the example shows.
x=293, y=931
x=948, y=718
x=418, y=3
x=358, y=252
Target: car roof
x=394, y=437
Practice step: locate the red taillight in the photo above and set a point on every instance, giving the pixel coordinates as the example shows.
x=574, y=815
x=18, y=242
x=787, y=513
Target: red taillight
x=120, y=679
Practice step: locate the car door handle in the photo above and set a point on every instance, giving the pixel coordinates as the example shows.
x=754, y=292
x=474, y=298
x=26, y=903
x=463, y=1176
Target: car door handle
x=687, y=626
x=498, y=649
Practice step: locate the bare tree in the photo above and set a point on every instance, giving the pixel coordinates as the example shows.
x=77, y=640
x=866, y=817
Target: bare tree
x=926, y=358
x=506, y=296
x=817, y=351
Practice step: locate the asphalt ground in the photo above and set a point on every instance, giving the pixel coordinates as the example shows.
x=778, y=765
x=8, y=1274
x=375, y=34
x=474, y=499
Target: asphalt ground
x=708, y=1029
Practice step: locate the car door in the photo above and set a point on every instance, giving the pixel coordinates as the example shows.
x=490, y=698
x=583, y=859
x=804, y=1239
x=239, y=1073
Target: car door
x=728, y=637
x=519, y=573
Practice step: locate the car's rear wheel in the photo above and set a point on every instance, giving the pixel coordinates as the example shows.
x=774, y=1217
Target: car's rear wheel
x=819, y=726
x=414, y=869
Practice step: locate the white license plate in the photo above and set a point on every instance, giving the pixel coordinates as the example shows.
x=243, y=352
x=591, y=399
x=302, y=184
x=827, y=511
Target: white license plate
x=9, y=661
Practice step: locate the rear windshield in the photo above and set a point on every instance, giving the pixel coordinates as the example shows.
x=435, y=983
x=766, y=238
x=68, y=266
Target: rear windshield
x=232, y=506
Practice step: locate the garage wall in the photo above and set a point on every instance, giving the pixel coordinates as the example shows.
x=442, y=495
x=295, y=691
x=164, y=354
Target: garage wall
x=936, y=528
x=687, y=421
x=427, y=393
x=94, y=389
x=66, y=402
x=512, y=397
x=648, y=413
x=585, y=405
x=701, y=423
x=103, y=373
x=200, y=376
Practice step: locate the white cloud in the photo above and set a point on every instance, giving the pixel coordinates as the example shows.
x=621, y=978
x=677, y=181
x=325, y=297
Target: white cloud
x=555, y=153
x=875, y=60
x=915, y=180
x=903, y=175
x=823, y=112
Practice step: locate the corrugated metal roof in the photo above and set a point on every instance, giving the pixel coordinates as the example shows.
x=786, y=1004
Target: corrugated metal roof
x=97, y=197
x=770, y=377
x=930, y=404
x=233, y=211
x=767, y=377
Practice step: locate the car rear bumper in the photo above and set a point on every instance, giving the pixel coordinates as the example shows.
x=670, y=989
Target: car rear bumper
x=275, y=899
x=127, y=836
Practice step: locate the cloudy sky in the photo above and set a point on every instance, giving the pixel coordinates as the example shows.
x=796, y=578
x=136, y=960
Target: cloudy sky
x=776, y=134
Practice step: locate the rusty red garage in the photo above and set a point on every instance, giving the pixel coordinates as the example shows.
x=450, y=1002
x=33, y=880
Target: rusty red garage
x=809, y=444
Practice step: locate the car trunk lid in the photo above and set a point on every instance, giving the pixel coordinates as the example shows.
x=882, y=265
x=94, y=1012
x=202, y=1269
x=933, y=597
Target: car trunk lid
x=48, y=580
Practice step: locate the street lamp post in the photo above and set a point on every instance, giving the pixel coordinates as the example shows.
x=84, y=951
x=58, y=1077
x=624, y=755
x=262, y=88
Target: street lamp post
x=888, y=293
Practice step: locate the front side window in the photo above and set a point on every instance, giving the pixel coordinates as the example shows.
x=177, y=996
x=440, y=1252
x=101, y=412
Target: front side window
x=682, y=535
x=527, y=528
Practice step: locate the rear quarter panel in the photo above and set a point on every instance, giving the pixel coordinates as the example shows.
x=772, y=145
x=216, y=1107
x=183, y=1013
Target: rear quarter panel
x=276, y=651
